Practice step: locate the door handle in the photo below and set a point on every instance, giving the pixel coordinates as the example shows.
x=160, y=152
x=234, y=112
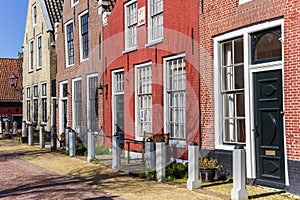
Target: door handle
x=255, y=132
x=282, y=112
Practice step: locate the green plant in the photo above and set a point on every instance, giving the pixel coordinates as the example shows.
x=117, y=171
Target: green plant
x=176, y=171
x=102, y=150
x=81, y=150
x=206, y=163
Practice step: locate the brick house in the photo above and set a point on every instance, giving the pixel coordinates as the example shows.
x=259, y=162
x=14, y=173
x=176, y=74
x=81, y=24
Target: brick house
x=79, y=67
x=151, y=71
x=11, y=95
x=249, y=64
x=39, y=63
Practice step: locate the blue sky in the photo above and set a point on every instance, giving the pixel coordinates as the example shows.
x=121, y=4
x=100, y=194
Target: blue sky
x=12, y=26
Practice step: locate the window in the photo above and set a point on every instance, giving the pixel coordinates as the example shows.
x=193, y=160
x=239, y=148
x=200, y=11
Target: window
x=35, y=103
x=155, y=20
x=69, y=44
x=34, y=19
x=93, y=103
x=39, y=51
x=77, y=112
x=232, y=91
x=175, y=100
x=31, y=56
x=84, y=36
x=130, y=25
x=44, y=103
x=28, y=104
x=143, y=99
x=74, y=2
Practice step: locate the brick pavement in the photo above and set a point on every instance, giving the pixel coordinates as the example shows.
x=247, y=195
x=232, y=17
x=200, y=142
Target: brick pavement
x=21, y=180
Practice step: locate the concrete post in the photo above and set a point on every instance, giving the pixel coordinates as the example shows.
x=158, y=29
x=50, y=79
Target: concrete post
x=239, y=191
x=116, y=153
x=91, y=146
x=1, y=131
x=193, y=174
x=6, y=127
x=72, y=148
x=30, y=134
x=15, y=124
x=53, y=142
x=67, y=130
x=42, y=136
x=160, y=160
x=24, y=132
x=149, y=154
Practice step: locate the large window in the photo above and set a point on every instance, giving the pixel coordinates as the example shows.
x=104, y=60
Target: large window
x=232, y=91
x=175, y=76
x=77, y=109
x=28, y=104
x=131, y=24
x=155, y=20
x=144, y=99
x=31, y=56
x=84, y=36
x=93, y=103
x=35, y=104
x=69, y=43
x=44, y=103
x=39, y=51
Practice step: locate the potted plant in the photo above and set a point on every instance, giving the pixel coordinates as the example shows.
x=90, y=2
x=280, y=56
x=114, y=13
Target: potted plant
x=208, y=167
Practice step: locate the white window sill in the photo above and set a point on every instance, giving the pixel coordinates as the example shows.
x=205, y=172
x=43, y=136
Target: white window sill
x=154, y=42
x=38, y=68
x=177, y=143
x=30, y=71
x=83, y=60
x=129, y=50
x=69, y=65
x=225, y=147
x=243, y=1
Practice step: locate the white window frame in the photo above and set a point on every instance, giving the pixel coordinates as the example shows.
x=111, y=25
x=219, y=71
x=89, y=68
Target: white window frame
x=89, y=110
x=28, y=108
x=249, y=69
x=66, y=43
x=31, y=55
x=80, y=37
x=43, y=98
x=151, y=40
x=35, y=96
x=74, y=109
x=243, y=1
x=74, y=2
x=39, y=50
x=176, y=141
x=60, y=108
x=138, y=117
x=130, y=27
x=34, y=15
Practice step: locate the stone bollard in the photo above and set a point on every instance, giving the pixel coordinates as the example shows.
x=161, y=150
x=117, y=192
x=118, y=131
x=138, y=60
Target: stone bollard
x=67, y=130
x=149, y=154
x=72, y=148
x=53, y=142
x=116, y=153
x=24, y=133
x=160, y=160
x=15, y=127
x=42, y=136
x=30, y=134
x=6, y=127
x=239, y=191
x=91, y=146
x=193, y=174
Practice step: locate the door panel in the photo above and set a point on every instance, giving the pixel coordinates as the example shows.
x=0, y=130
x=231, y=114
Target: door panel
x=269, y=128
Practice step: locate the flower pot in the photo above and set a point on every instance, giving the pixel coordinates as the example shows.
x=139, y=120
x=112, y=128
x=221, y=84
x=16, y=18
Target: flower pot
x=208, y=175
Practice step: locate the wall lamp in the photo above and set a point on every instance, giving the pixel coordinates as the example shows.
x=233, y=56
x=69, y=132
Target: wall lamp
x=13, y=80
x=101, y=89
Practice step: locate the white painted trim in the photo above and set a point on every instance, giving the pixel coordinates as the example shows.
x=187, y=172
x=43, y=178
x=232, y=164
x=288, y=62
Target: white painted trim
x=127, y=48
x=37, y=51
x=88, y=103
x=80, y=39
x=150, y=40
x=66, y=43
x=73, y=102
x=243, y=1
x=113, y=93
x=31, y=59
x=60, y=106
x=248, y=77
x=136, y=96
x=74, y=4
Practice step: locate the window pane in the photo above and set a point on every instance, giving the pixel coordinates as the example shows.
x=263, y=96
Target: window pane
x=239, y=77
x=229, y=102
x=227, y=78
x=238, y=51
x=240, y=105
x=229, y=130
x=241, y=136
x=226, y=54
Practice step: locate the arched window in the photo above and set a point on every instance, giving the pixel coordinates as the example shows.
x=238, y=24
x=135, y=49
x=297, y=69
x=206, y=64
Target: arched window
x=266, y=46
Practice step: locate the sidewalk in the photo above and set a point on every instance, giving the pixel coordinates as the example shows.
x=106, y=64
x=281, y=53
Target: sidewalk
x=116, y=183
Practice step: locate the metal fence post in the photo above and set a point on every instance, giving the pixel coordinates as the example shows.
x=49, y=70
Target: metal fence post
x=91, y=146
x=193, y=174
x=116, y=154
x=160, y=160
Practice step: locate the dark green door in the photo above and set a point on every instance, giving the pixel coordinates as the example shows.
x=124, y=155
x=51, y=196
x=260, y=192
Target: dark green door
x=268, y=116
